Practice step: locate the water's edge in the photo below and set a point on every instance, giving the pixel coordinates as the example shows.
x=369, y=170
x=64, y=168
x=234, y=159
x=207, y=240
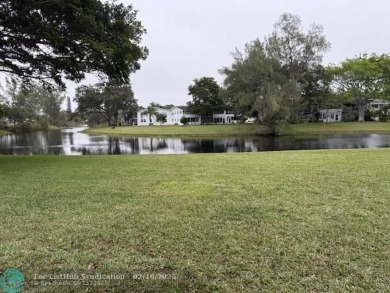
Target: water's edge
x=75, y=142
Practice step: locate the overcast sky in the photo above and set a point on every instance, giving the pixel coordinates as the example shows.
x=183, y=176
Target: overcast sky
x=190, y=39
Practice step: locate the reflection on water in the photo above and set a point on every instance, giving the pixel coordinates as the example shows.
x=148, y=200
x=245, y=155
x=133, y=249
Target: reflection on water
x=73, y=142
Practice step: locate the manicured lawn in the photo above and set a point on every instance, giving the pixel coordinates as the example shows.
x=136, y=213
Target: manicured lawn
x=243, y=129
x=177, y=131
x=343, y=127
x=2, y=132
x=299, y=221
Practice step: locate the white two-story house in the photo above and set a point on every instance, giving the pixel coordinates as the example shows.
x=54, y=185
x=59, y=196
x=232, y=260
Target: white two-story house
x=377, y=104
x=330, y=115
x=175, y=114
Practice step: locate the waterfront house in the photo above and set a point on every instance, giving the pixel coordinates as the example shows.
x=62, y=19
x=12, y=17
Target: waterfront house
x=330, y=115
x=175, y=114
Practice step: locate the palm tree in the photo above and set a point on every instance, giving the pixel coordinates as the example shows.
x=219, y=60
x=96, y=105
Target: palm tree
x=150, y=111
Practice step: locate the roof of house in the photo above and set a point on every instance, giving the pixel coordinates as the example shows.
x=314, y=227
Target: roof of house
x=378, y=101
x=331, y=110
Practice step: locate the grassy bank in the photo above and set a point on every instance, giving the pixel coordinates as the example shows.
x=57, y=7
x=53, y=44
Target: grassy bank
x=29, y=128
x=343, y=127
x=243, y=129
x=2, y=132
x=178, y=131
x=300, y=221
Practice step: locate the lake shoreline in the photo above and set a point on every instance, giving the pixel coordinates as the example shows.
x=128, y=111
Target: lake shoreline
x=34, y=128
x=72, y=141
x=3, y=132
x=240, y=130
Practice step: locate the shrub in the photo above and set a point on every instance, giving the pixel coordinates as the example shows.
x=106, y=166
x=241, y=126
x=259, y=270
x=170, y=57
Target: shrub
x=184, y=120
x=384, y=114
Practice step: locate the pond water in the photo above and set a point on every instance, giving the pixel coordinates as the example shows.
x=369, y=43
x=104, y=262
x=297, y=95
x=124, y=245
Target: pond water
x=73, y=142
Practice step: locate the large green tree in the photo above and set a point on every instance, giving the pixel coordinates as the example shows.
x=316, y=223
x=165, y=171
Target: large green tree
x=108, y=100
x=161, y=118
x=295, y=49
x=130, y=114
x=256, y=85
x=317, y=92
x=54, y=39
x=298, y=51
x=269, y=77
x=51, y=105
x=205, y=97
x=362, y=78
x=31, y=102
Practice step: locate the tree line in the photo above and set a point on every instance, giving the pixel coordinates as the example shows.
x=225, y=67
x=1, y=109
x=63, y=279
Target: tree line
x=44, y=43
x=31, y=104
x=280, y=79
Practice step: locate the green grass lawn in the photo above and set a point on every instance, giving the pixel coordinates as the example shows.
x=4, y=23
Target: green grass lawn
x=243, y=129
x=2, y=132
x=298, y=221
x=177, y=130
x=343, y=127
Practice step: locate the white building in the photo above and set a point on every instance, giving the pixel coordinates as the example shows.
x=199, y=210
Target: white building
x=144, y=119
x=330, y=115
x=175, y=114
x=223, y=117
x=378, y=104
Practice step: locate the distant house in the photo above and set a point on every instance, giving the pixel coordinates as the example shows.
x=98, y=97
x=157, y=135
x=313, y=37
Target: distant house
x=223, y=117
x=380, y=109
x=330, y=115
x=143, y=117
x=175, y=114
x=378, y=104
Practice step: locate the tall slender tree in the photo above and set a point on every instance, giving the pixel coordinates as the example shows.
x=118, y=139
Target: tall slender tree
x=68, y=105
x=297, y=52
x=268, y=78
x=151, y=112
